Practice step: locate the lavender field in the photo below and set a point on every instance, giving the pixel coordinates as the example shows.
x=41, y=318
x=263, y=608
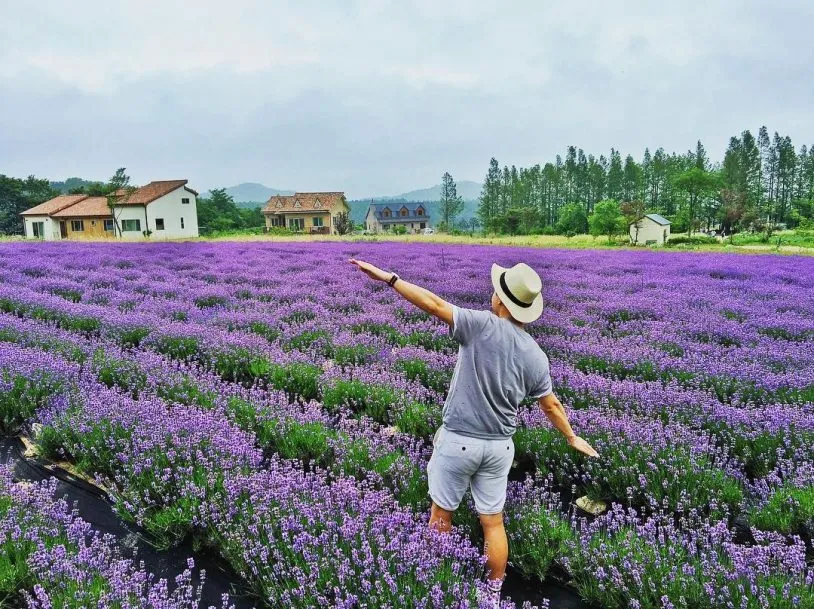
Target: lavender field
x=275, y=406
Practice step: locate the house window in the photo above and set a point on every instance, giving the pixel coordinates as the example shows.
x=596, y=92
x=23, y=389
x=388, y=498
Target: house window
x=318, y=221
x=38, y=229
x=296, y=223
x=184, y=201
x=419, y=212
x=423, y=225
x=77, y=226
x=277, y=221
x=131, y=226
x=386, y=213
x=182, y=224
x=404, y=212
x=159, y=224
x=109, y=225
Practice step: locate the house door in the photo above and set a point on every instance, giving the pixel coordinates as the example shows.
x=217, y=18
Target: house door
x=63, y=230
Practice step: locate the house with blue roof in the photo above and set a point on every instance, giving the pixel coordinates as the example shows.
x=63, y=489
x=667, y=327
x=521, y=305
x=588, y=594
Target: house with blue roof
x=383, y=217
x=650, y=229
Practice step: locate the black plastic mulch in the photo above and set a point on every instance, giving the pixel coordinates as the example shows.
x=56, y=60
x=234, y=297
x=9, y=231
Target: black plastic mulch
x=95, y=509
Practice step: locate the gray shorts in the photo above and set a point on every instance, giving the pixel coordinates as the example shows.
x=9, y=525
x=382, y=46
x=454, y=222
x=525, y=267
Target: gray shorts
x=460, y=462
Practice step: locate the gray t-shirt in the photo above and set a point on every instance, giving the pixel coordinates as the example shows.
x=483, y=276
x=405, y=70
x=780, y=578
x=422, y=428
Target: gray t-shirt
x=499, y=365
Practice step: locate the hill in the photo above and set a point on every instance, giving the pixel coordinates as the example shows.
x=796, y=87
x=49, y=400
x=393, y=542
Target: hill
x=66, y=186
x=467, y=190
x=251, y=194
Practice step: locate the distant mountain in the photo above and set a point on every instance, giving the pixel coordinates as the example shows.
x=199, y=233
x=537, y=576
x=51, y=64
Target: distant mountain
x=71, y=184
x=468, y=191
x=251, y=193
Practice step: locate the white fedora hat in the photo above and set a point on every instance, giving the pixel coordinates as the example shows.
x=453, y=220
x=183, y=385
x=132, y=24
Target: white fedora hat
x=520, y=289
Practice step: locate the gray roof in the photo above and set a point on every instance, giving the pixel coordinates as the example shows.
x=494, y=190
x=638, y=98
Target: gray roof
x=658, y=219
x=377, y=209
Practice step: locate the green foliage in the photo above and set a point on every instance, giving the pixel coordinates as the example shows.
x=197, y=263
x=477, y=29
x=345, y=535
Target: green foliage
x=21, y=396
x=450, y=205
x=344, y=225
x=787, y=511
x=218, y=213
x=419, y=420
x=18, y=195
x=607, y=219
x=629, y=472
x=538, y=536
x=375, y=401
x=413, y=369
x=573, y=220
x=123, y=374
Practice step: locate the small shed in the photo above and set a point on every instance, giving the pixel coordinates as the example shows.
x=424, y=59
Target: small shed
x=650, y=229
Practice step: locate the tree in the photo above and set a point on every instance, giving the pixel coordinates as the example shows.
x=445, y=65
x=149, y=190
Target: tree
x=573, y=220
x=607, y=219
x=18, y=195
x=616, y=176
x=118, y=183
x=698, y=184
x=450, y=204
x=633, y=212
x=488, y=207
x=343, y=224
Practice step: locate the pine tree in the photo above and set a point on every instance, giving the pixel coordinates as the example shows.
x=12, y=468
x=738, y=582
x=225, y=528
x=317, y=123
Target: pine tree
x=488, y=207
x=450, y=205
x=616, y=176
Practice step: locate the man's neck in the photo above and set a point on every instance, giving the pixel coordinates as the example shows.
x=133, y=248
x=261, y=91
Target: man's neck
x=508, y=316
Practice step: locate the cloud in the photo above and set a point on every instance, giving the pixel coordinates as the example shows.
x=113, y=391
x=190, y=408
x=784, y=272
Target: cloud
x=383, y=97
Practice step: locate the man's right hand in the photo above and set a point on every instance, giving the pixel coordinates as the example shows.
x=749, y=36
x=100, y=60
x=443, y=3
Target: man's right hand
x=582, y=446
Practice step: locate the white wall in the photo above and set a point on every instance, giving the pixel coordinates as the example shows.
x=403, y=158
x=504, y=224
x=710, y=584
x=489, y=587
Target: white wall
x=130, y=212
x=50, y=227
x=170, y=209
x=649, y=231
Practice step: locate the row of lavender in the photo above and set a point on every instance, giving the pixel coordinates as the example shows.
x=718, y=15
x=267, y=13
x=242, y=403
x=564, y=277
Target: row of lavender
x=103, y=429
x=700, y=454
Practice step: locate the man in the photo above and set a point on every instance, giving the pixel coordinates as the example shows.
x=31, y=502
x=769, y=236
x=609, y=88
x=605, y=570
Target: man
x=499, y=365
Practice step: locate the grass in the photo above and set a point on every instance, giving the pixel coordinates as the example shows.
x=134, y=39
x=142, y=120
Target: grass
x=784, y=242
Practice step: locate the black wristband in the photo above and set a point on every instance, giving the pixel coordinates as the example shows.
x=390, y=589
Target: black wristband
x=393, y=280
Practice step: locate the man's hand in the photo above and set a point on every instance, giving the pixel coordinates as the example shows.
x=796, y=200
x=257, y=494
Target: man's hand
x=582, y=446
x=371, y=271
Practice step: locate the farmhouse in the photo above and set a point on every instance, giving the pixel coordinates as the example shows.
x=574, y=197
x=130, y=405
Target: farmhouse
x=385, y=216
x=162, y=210
x=310, y=212
x=650, y=229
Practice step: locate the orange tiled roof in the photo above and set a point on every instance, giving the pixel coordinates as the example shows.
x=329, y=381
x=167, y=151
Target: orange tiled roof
x=303, y=202
x=53, y=205
x=152, y=191
x=92, y=206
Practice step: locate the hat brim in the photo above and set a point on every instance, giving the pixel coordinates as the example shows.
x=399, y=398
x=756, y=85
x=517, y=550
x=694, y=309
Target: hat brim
x=524, y=315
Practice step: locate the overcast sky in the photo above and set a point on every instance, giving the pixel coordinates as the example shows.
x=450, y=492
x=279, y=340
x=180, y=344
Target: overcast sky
x=383, y=97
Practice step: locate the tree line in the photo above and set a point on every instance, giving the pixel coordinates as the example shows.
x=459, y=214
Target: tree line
x=760, y=183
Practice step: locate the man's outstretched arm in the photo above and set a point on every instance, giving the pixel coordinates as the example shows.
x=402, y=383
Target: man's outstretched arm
x=420, y=297
x=555, y=413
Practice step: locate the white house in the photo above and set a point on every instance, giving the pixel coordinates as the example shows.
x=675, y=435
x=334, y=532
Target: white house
x=39, y=223
x=168, y=210
x=158, y=210
x=650, y=229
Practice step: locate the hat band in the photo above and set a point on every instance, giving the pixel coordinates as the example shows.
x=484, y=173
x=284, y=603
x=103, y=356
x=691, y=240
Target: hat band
x=511, y=296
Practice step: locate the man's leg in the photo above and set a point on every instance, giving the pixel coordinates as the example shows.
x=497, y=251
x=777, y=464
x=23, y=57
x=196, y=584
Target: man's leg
x=440, y=519
x=495, y=545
